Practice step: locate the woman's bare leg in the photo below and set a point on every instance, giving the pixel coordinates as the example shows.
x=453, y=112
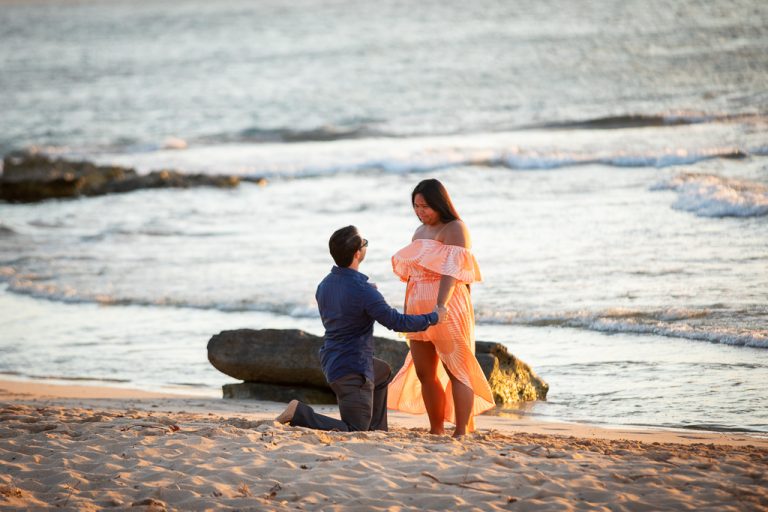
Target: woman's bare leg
x=425, y=361
x=463, y=402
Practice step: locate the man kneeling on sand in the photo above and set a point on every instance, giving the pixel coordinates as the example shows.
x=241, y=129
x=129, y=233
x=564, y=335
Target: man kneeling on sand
x=349, y=305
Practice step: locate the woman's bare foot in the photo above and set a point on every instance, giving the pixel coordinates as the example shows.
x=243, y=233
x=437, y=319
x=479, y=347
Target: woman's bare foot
x=287, y=415
x=460, y=431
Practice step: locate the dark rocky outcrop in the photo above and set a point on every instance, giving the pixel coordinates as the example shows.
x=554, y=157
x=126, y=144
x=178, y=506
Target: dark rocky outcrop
x=282, y=364
x=30, y=176
x=511, y=379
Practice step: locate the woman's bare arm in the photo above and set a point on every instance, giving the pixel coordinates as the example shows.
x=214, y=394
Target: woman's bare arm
x=455, y=233
x=447, y=284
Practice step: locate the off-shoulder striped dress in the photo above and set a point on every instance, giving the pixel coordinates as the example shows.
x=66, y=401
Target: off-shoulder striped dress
x=422, y=263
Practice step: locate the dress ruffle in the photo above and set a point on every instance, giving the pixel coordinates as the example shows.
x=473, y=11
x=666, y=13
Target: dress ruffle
x=436, y=257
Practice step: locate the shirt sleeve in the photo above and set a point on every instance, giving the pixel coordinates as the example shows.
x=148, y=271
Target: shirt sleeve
x=378, y=309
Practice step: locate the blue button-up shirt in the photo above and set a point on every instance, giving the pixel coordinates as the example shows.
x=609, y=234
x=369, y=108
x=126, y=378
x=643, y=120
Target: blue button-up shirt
x=349, y=305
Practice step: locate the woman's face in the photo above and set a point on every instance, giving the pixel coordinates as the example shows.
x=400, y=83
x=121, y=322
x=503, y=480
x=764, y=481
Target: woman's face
x=424, y=212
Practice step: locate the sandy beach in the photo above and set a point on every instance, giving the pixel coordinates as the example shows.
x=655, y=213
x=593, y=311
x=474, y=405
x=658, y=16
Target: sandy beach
x=93, y=448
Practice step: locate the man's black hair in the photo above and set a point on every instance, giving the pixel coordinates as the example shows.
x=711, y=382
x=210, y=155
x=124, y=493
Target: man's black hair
x=344, y=243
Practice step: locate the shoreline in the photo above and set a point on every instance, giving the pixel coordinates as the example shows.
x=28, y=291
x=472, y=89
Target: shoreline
x=110, y=398
x=560, y=348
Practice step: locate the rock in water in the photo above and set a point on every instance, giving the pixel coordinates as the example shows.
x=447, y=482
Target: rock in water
x=274, y=356
x=511, y=379
x=29, y=177
x=282, y=364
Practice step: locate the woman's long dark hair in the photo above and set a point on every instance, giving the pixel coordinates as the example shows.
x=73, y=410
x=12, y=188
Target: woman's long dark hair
x=437, y=198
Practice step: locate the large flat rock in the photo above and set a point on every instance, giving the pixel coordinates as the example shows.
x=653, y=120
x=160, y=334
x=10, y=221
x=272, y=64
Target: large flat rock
x=285, y=361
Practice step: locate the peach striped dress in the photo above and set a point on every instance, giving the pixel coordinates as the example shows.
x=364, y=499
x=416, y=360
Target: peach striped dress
x=422, y=264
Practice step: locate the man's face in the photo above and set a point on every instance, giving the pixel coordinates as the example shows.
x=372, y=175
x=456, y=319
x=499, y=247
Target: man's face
x=363, y=249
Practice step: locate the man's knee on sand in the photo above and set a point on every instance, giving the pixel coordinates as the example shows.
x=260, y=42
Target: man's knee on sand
x=355, y=396
x=357, y=399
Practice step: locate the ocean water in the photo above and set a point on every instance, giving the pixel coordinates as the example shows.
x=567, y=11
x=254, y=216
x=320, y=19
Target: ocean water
x=610, y=160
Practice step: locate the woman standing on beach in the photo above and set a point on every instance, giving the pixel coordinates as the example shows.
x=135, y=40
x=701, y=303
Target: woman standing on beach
x=439, y=267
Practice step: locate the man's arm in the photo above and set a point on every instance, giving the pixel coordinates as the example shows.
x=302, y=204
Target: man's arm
x=389, y=317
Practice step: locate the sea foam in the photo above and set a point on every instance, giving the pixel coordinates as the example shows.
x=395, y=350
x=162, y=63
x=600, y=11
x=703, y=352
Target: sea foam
x=685, y=323
x=533, y=151
x=708, y=195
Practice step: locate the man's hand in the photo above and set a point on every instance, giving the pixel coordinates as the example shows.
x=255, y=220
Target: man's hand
x=442, y=313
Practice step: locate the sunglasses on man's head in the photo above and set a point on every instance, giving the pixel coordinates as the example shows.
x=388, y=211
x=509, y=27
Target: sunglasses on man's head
x=364, y=244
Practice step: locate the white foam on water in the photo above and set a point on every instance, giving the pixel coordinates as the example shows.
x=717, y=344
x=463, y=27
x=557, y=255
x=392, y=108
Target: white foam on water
x=682, y=323
x=670, y=322
x=518, y=150
x=709, y=195
x=67, y=294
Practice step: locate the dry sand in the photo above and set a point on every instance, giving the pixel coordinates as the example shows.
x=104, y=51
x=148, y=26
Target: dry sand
x=86, y=448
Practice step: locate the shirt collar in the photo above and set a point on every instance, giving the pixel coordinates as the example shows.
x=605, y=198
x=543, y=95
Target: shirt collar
x=346, y=271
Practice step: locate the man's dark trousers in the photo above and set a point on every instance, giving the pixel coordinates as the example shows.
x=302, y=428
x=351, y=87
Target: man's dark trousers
x=362, y=403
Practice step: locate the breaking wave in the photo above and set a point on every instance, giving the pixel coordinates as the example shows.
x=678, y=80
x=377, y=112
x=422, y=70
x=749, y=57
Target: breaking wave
x=649, y=121
x=42, y=289
x=656, y=140
x=252, y=161
x=691, y=324
x=374, y=128
x=708, y=195
x=6, y=231
x=319, y=134
x=696, y=325
x=517, y=159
